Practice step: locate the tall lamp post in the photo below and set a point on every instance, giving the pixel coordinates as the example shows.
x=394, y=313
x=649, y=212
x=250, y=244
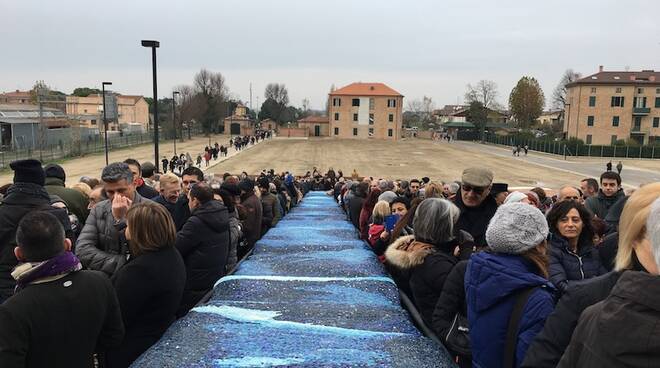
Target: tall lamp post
x=174, y=117
x=105, y=120
x=154, y=45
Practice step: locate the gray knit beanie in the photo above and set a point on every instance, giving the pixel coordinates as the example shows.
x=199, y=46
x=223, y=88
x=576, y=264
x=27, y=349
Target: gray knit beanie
x=516, y=228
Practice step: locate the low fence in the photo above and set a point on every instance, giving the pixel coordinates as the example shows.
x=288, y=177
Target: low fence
x=86, y=146
x=576, y=149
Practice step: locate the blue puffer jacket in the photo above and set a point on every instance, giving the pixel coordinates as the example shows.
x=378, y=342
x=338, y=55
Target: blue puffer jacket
x=491, y=285
x=567, y=267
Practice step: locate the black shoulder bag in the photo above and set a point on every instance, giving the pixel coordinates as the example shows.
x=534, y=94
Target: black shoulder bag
x=514, y=323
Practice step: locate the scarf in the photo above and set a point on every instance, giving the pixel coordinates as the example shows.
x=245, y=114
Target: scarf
x=49, y=270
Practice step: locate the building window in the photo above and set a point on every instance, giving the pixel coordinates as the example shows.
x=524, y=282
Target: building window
x=590, y=120
x=85, y=111
x=336, y=131
x=613, y=140
x=355, y=117
x=639, y=102
x=336, y=102
x=640, y=90
x=93, y=122
x=371, y=119
x=372, y=103
x=391, y=102
x=593, y=89
x=617, y=101
x=371, y=132
x=657, y=102
x=656, y=122
x=588, y=138
x=592, y=101
x=618, y=90
x=615, y=121
x=657, y=91
x=356, y=102
x=336, y=116
x=355, y=131
x=389, y=132
x=391, y=118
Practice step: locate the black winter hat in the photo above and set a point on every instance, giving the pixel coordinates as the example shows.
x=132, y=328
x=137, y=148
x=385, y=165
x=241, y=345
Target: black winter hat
x=28, y=171
x=263, y=182
x=55, y=171
x=246, y=185
x=233, y=189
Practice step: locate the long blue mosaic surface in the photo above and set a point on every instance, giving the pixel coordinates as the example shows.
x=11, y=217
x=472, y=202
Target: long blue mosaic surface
x=311, y=295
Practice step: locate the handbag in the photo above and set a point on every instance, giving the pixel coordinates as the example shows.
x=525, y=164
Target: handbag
x=458, y=337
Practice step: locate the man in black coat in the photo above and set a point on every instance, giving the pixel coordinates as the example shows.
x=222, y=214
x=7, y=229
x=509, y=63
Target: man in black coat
x=60, y=315
x=476, y=204
x=25, y=195
x=172, y=199
x=204, y=245
x=140, y=185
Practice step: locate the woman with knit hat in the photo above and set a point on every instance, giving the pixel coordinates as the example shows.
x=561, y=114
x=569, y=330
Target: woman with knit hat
x=513, y=273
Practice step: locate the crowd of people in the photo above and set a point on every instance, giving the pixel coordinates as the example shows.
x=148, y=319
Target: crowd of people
x=519, y=278
x=523, y=278
x=94, y=273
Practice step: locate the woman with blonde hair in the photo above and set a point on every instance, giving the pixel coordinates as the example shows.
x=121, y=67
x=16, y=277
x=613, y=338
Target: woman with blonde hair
x=150, y=286
x=633, y=253
x=377, y=226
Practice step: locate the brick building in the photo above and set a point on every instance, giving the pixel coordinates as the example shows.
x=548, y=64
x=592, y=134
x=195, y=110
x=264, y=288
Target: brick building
x=317, y=126
x=16, y=98
x=133, y=112
x=609, y=106
x=365, y=110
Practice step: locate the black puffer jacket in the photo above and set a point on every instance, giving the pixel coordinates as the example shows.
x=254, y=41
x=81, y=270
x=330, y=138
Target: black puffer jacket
x=451, y=301
x=204, y=245
x=567, y=267
x=428, y=268
x=548, y=346
x=622, y=330
x=600, y=204
x=474, y=220
x=21, y=198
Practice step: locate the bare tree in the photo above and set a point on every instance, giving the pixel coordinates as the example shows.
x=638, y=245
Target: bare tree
x=484, y=91
x=422, y=110
x=278, y=93
x=559, y=94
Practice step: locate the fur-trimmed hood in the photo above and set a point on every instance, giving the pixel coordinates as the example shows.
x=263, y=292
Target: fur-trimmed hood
x=406, y=252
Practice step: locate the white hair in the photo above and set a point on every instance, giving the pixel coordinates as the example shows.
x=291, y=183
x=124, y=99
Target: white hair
x=653, y=230
x=434, y=220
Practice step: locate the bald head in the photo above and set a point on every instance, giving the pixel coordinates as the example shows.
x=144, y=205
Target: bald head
x=567, y=193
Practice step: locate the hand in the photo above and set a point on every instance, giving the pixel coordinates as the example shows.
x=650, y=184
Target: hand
x=384, y=235
x=120, y=206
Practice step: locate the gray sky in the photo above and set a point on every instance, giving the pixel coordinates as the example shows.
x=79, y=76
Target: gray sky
x=431, y=48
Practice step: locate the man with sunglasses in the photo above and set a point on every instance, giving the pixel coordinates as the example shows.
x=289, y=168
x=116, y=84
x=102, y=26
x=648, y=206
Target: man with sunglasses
x=476, y=204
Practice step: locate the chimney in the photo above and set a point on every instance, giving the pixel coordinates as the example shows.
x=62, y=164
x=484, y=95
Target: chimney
x=600, y=69
x=651, y=78
x=633, y=77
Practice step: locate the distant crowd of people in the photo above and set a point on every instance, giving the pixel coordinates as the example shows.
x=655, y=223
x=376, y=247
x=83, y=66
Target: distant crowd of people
x=94, y=273
x=519, y=278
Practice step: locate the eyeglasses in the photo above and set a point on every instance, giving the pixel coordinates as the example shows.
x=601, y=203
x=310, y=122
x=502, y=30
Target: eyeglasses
x=476, y=190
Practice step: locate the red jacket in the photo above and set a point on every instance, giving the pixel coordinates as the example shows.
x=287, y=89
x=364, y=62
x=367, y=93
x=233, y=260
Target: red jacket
x=374, y=233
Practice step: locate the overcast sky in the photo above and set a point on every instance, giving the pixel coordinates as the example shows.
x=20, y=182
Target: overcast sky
x=419, y=48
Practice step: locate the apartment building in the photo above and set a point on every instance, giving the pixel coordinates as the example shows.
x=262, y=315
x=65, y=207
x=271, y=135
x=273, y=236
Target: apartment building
x=132, y=112
x=612, y=105
x=364, y=111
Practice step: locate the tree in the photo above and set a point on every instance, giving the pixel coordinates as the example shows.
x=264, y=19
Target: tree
x=214, y=92
x=85, y=91
x=277, y=92
x=422, y=111
x=485, y=93
x=304, y=109
x=477, y=114
x=270, y=109
x=559, y=94
x=526, y=101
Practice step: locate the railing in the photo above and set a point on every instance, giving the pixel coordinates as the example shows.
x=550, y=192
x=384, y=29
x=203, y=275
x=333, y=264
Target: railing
x=641, y=110
x=86, y=146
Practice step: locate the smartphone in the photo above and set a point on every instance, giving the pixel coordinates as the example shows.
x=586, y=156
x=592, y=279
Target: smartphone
x=390, y=222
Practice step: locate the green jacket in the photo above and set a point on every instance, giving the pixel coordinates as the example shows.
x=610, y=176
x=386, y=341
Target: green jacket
x=75, y=201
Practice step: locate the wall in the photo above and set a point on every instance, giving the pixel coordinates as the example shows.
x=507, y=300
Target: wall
x=292, y=133
x=381, y=117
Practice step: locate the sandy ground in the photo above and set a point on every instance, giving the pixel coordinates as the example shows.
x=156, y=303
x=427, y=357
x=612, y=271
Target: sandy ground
x=404, y=159
x=92, y=165
x=393, y=160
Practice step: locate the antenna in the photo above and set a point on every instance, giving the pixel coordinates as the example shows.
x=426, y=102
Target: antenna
x=250, y=95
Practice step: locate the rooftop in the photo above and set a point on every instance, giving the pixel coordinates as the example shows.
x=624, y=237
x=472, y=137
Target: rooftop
x=366, y=89
x=648, y=77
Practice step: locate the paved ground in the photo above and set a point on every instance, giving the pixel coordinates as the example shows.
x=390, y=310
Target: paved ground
x=635, y=172
x=415, y=158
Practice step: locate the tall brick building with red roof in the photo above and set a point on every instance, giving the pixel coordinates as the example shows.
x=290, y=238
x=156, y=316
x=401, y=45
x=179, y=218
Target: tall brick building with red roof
x=365, y=111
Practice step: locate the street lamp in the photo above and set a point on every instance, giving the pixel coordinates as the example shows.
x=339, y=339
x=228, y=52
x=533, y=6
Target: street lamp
x=174, y=117
x=105, y=119
x=154, y=45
